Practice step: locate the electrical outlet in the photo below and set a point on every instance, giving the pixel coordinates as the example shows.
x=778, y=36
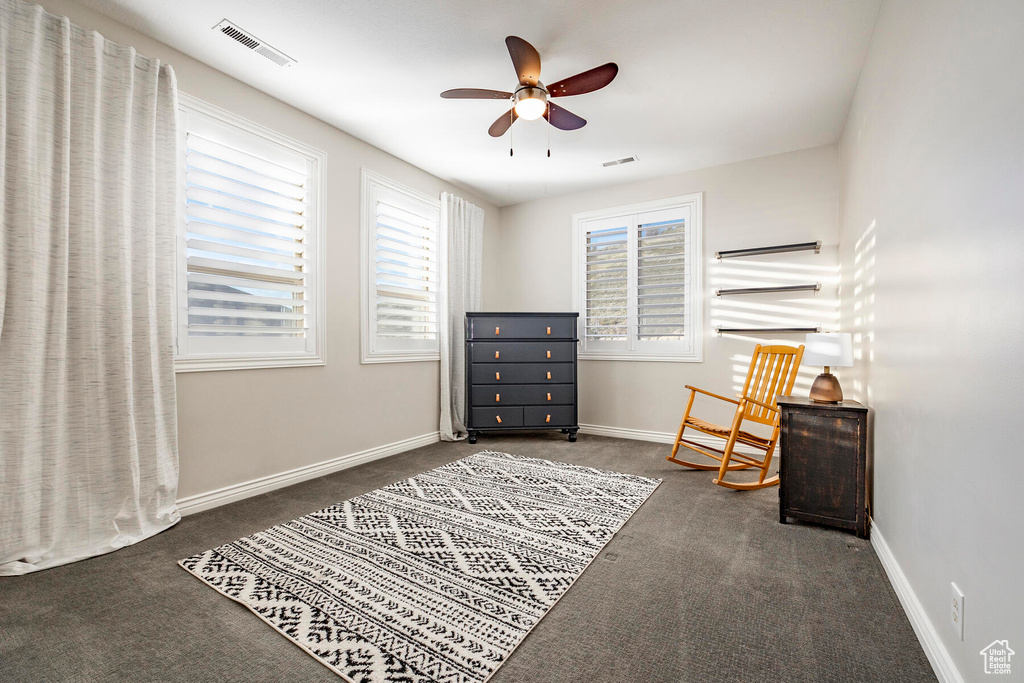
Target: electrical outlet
x=956, y=613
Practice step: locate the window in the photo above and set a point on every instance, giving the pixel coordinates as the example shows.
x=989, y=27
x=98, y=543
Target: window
x=637, y=281
x=250, y=256
x=401, y=280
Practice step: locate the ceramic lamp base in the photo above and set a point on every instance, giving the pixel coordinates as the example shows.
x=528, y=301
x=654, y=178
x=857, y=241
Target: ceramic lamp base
x=826, y=389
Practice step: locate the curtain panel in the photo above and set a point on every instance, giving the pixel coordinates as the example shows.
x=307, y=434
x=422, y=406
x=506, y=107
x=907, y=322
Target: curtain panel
x=462, y=226
x=88, y=433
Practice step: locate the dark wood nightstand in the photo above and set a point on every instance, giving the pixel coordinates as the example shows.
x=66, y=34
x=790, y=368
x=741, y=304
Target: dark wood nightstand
x=823, y=468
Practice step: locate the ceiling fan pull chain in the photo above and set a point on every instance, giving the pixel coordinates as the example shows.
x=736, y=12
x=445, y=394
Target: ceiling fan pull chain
x=547, y=115
x=512, y=119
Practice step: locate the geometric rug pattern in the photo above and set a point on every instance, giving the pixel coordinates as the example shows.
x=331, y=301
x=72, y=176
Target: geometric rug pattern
x=434, y=578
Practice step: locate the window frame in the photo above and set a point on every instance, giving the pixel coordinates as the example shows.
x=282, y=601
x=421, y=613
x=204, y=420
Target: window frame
x=690, y=348
x=253, y=359
x=369, y=348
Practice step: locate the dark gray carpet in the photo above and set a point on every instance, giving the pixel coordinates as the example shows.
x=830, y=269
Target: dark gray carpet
x=702, y=584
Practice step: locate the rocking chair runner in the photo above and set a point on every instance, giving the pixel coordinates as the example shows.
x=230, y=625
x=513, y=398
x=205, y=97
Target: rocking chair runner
x=772, y=373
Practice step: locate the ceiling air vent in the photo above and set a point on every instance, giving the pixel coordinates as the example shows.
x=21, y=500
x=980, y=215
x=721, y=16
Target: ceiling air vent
x=253, y=43
x=616, y=162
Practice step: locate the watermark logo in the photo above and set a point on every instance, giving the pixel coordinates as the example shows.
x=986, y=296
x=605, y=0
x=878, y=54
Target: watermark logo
x=997, y=657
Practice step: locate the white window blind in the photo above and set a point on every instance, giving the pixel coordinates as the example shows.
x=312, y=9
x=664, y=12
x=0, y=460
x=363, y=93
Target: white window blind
x=406, y=280
x=607, y=283
x=637, y=280
x=402, y=291
x=661, y=280
x=249, y=272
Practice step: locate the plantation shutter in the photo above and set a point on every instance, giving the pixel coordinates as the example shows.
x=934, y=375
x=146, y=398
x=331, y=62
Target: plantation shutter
x=607, y=281
x=407, y=272
x=661, y=279
x=247, y=275
x=246, y=244
x=637, y=281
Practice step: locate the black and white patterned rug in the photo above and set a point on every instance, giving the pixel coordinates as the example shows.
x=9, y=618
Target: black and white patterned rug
x=435, y=578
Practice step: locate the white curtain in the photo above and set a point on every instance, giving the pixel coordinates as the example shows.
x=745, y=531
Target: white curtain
x=463, y=224
x=88, y=434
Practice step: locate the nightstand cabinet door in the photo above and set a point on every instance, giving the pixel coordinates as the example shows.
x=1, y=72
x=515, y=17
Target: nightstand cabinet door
x=823, y=475
x=521, y=372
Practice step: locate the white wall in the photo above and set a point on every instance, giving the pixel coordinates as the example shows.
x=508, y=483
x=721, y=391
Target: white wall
x=932, y=256
x=238, y=425
x=773, y=200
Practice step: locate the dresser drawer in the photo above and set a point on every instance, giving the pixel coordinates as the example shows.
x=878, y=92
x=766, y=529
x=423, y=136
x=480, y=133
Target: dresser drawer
x=523, y=394
x=521, y=352
x=498, y=327
x=497, y=417
x=549, y=416
x=523, y=373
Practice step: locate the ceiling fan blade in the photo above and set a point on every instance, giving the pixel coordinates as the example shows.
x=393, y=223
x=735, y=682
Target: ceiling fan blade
x=475, y=94
x=525, y=58
x=563, y=119
x=585, y=82
x=503, y=123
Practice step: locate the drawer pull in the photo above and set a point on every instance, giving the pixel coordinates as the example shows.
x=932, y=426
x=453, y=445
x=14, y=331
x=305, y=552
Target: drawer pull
x=549, y=375
x=497, y=355
x=498, y=418
x=497, y=376
x=549, y=397
x=547, y=419
x=549, y=330
x=497, y=398
x=497, y=331
x=549, y=354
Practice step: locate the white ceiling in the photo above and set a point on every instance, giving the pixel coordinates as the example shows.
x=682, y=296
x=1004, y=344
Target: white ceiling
x=701, y=82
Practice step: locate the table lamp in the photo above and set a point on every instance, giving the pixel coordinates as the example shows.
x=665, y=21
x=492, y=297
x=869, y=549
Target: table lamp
x=831, y=350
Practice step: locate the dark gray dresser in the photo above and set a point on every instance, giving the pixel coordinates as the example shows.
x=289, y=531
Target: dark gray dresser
x=521, y=372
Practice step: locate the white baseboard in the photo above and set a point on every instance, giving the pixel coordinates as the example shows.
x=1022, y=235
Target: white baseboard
x=658, y=437
x=254, y=487
x=623, y=433
x=938, y=655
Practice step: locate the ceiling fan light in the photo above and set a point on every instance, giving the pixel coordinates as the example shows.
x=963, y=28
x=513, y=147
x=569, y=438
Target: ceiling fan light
x=530, y=108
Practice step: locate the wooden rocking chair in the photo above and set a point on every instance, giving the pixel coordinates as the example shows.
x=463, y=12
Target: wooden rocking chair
x=772, y=373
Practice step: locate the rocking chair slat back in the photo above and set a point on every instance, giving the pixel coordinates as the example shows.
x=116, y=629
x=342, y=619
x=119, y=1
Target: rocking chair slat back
x=772, y=373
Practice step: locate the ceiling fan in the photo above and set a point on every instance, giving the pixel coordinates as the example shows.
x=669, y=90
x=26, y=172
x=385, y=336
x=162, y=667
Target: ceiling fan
x=530, y=99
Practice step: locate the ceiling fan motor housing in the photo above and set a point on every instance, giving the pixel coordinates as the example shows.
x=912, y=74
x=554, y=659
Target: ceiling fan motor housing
x=527, y=92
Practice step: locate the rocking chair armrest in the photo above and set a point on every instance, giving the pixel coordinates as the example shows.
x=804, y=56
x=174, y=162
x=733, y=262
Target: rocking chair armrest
x=772, y=408
x=708, y=393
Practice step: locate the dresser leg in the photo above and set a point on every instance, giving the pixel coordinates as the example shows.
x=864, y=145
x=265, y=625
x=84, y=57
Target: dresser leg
x=572, y=435
x=472, y=437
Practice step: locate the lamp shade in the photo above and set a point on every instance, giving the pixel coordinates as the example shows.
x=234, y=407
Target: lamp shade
x=832, y=349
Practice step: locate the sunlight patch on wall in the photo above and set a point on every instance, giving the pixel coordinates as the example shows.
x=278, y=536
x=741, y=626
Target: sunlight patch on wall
x=863, y=312
x=805, y=309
